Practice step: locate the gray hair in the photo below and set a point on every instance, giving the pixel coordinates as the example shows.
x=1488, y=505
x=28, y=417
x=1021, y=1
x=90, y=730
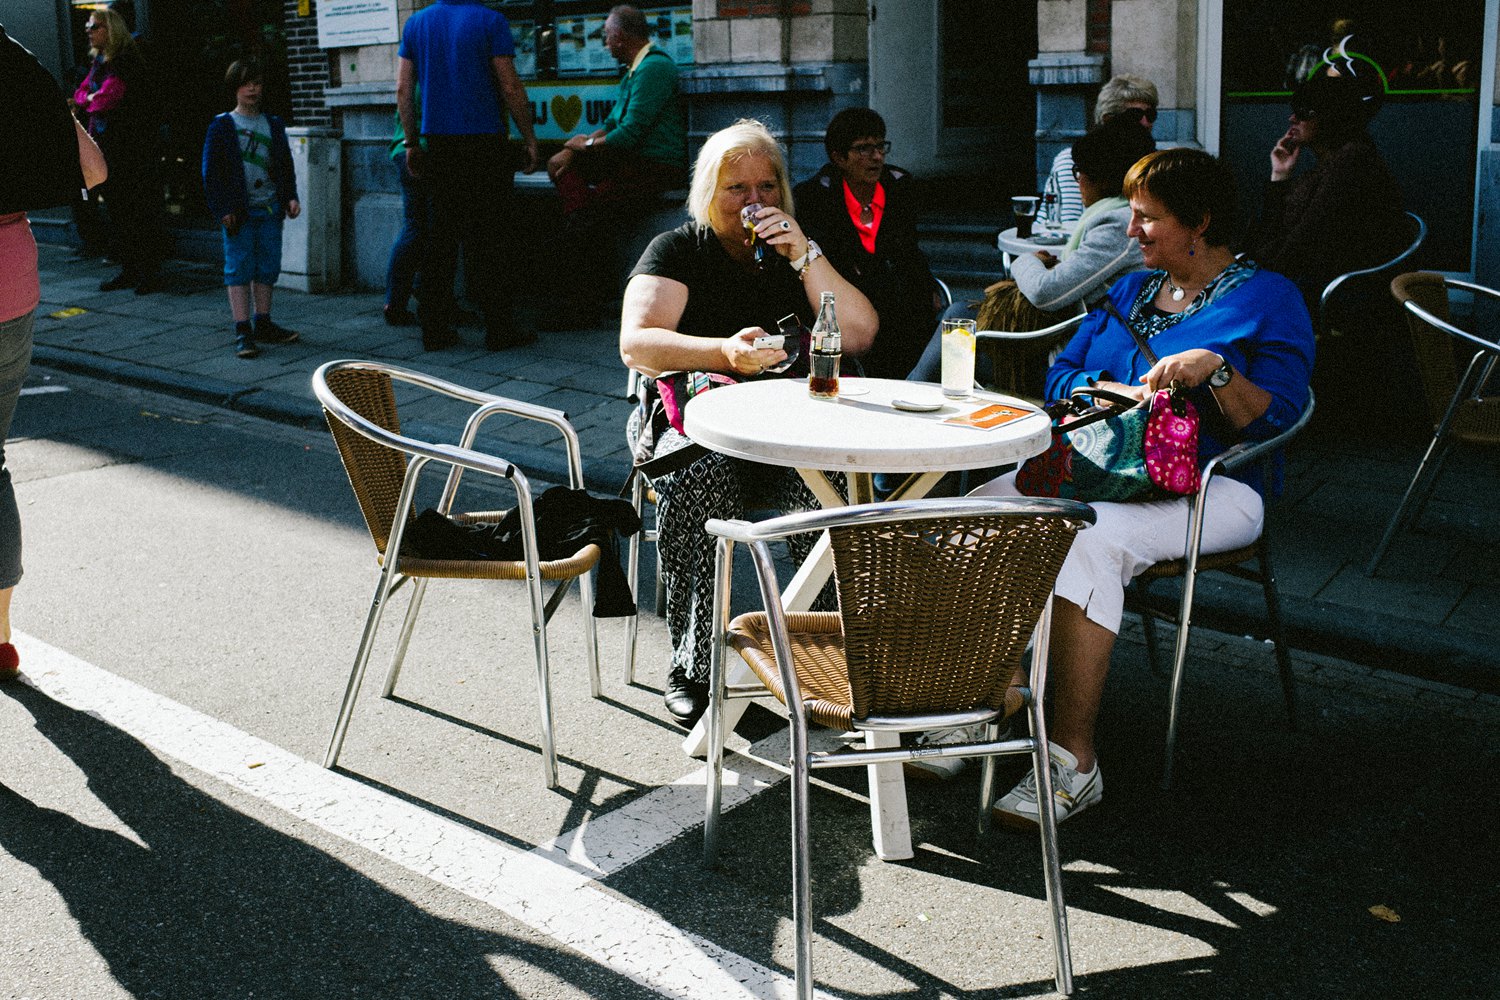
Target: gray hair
x=630, y=21
x=1120, y=91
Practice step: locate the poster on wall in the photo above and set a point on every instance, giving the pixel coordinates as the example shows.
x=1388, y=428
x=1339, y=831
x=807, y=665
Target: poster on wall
x=595, y=51
x=346, y=23
x=570, y=44
x=523, y=33
x=674, y=33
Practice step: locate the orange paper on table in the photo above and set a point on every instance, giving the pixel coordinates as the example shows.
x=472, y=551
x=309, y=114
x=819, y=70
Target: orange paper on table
x=989, y=417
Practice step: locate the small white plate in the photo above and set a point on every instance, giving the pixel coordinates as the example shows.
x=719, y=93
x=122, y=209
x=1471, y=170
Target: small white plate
x=917, y=405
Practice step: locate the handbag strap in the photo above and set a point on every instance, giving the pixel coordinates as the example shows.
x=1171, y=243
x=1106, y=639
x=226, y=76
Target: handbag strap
x=1140, y=341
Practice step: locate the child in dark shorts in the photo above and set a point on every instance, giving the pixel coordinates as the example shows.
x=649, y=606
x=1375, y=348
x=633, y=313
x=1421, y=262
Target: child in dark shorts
x=252, y=187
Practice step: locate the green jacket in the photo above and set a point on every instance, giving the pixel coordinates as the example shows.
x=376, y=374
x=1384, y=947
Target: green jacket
x=646, y=118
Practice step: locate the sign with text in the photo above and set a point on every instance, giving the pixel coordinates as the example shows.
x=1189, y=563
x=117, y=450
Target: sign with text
x=346, y=23
x=569, y=107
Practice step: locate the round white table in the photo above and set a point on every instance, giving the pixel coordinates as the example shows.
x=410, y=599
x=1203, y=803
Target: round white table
x=1050, y=240
x=776, y=422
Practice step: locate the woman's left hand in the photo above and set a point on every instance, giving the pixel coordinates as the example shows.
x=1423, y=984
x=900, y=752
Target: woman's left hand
x=781, y=231
x=1191, y=368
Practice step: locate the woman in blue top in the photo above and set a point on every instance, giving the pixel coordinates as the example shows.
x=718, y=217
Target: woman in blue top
x=1240, y=338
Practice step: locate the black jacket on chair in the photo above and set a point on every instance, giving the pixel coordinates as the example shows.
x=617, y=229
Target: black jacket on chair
x=895, y=278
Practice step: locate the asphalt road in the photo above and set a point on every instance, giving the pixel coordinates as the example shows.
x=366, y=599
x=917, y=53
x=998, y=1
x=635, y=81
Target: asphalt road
x=196, y=582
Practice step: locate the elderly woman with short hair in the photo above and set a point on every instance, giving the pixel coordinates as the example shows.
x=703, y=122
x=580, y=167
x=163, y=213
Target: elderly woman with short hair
x=1241, y=340
x=1123, y=98
x=696, y=301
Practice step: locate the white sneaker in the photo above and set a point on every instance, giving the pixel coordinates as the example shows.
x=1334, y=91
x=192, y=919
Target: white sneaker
x=1072, y=792
x=943, y=768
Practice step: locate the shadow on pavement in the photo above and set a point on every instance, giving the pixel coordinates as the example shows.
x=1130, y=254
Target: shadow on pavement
x=219, y=904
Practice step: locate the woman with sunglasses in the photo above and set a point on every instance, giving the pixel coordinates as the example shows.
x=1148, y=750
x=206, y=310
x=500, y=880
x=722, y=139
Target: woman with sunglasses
x=1343, y=214
x=1123, y=98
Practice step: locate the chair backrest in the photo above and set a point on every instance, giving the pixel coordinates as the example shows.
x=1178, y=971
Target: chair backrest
x=1417, y=228
x=376, y=471
x=937, y=613
x=1433, y=347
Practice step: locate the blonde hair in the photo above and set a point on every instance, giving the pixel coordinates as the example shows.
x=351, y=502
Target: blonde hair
x=746, y=137
x=117, y=37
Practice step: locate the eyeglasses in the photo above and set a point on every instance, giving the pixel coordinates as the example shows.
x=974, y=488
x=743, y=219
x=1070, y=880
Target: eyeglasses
x=1304, y=114
x=870, y=148
x=1133, y=114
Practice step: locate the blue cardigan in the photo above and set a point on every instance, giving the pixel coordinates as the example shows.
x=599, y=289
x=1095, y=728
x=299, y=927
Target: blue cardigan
x=224, y=172
x=1261, y=327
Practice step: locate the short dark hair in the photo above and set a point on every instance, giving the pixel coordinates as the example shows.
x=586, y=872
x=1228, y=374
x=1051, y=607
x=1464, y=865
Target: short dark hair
x=1107, y=152
x=243, y=71
x=849, y=125
x=1193, y=186
x=630, y=21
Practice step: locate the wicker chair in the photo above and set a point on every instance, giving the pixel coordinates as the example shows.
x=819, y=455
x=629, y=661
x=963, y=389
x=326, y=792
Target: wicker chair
x=1235, y=562
x=1459, y=409
x=359, y=402
x=939, y=599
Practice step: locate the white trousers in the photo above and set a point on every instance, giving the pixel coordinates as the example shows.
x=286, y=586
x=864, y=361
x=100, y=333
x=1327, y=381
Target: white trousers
x=1128, y=538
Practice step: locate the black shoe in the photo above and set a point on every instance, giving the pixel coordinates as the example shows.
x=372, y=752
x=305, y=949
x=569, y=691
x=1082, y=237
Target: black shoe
x=270, y=333
x=244, y=347
x=437, y=340
x=121, y=280
x=397, y=316
x=686, y=700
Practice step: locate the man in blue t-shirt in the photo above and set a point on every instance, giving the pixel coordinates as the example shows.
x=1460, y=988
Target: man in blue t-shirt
x=461, y=57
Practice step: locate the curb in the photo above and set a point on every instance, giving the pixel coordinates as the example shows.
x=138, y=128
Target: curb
x=546, y=464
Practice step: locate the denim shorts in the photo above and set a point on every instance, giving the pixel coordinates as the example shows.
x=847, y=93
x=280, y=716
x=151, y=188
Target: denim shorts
x=254, y=253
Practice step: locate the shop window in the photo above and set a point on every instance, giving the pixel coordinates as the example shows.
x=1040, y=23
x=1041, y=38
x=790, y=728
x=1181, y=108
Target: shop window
x=1426, y=59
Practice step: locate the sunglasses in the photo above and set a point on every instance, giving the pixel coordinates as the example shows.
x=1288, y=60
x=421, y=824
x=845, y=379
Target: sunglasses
x=1133, y=114
x=93, y=27
x=870, y=148
x=1304, y=114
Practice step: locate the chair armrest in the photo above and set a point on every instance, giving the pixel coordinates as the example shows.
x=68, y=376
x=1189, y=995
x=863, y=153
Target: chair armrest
x=1491, y=346
x=1025, y=335
x=1248, y=451
x=777, y=528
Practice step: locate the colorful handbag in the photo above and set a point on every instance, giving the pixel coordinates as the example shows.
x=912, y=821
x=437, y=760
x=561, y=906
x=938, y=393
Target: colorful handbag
x=1118, y=450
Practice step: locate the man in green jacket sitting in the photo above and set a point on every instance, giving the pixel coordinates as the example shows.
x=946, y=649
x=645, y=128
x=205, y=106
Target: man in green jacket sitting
x=615, y=172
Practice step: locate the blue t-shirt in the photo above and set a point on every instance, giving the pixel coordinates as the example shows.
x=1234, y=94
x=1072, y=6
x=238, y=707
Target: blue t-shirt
x=451, y=44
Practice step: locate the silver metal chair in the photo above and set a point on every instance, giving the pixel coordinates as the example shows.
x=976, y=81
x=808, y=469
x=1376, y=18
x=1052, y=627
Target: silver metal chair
x=939, y=599
x=1459, y=408
x=384, y=465
x=1419, y=234
x=1025, y=348
x=1138, y=597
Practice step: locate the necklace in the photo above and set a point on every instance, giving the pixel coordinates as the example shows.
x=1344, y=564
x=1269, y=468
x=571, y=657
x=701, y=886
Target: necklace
x=1177, y=293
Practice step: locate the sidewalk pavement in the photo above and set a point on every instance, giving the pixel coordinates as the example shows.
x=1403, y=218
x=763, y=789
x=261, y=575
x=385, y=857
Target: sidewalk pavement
x=1430, y=614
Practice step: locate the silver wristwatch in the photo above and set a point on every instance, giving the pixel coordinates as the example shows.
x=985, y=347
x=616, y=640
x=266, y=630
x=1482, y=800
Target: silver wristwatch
x=802, y=263
x=1221, y=375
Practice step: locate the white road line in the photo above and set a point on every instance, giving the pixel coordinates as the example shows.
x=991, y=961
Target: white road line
x=42, y=390
x=548, y=889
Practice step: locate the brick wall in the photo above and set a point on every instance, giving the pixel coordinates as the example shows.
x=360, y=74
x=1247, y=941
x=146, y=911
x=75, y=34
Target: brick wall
x=307, y=66
x=1098, y=27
